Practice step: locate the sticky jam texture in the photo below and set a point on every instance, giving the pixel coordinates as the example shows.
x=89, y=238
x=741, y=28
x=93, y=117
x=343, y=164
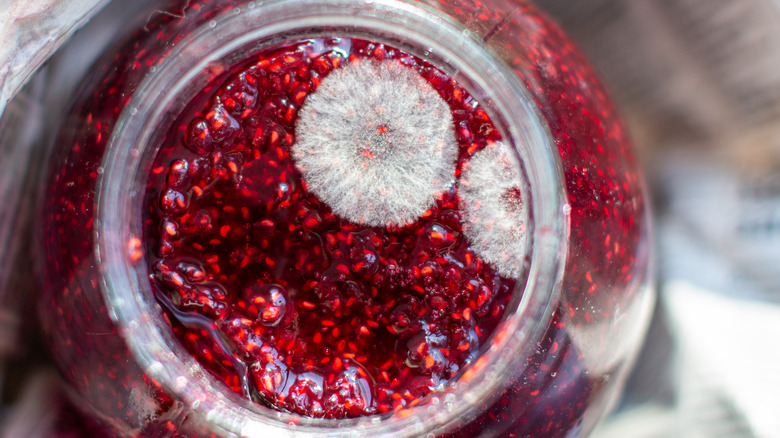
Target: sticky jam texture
x=287, y=302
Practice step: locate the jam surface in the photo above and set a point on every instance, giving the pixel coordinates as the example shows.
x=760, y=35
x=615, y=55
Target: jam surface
x=318, y=313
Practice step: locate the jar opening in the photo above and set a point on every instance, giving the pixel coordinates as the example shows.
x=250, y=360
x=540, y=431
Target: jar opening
x=170, y=87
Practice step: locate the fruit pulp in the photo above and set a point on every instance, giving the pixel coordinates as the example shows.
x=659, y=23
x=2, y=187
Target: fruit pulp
x=285, y=301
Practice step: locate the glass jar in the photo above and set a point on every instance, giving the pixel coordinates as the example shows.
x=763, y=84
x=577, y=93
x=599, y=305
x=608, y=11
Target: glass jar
x=557, y=358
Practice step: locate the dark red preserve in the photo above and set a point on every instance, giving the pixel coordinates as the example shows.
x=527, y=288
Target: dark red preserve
x=325, y=313
x=400, y=218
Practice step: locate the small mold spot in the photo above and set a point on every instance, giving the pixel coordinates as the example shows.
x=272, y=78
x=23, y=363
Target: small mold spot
x=495, y=208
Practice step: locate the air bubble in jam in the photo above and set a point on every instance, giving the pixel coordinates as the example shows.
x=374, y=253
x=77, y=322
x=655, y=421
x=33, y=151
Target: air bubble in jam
x=309, y=213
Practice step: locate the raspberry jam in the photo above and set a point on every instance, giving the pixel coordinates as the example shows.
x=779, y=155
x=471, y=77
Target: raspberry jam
x=396, y=218
x=324, y=314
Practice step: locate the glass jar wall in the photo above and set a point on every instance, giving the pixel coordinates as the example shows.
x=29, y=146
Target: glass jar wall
x=555, y=268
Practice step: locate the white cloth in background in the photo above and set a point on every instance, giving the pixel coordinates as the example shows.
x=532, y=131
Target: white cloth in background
x=720, y=254
x=719, y=260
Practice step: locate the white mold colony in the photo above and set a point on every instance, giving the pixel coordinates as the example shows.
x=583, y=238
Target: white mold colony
x=494, y=207
x=376, y=143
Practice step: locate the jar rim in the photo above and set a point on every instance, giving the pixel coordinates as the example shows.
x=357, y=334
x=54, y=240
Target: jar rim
x=125, y=284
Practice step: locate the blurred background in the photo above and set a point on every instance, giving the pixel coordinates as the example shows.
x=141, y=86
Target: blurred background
x=698, y=82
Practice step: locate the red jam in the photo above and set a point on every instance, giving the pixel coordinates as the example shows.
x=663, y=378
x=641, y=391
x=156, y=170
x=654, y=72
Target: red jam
x=287, y=302
x=233, y=300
